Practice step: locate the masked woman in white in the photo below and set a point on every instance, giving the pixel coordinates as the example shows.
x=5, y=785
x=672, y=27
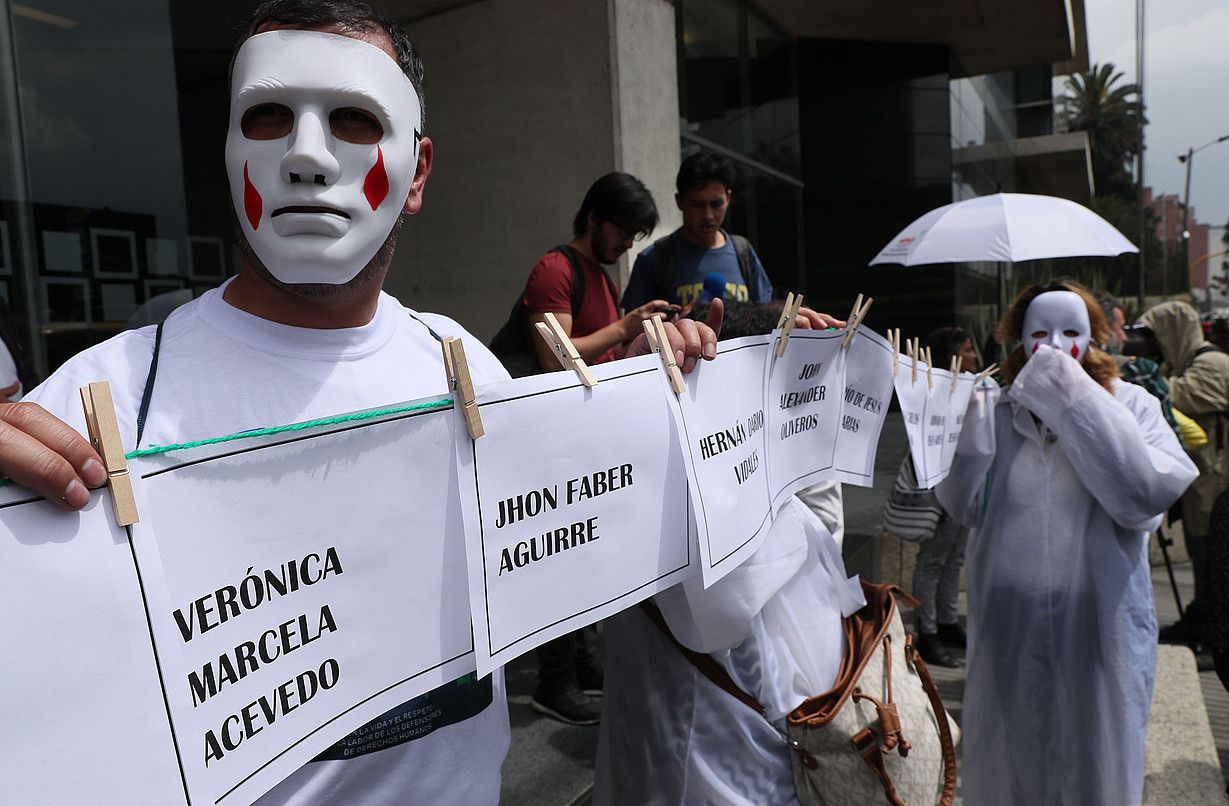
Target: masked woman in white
x=1060, y=477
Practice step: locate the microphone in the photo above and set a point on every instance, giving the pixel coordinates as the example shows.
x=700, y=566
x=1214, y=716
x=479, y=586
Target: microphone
x=714, y=287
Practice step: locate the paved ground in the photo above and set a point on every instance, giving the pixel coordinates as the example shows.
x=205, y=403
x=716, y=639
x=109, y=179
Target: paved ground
x=1215, y=698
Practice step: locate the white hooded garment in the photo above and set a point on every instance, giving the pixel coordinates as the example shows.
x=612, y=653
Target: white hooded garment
x=1061, y=482
x=671, y=736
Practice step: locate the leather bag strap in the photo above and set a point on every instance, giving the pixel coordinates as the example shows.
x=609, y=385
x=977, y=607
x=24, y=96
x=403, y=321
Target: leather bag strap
x=945, y=728
x=865, y=742
x=705, y=664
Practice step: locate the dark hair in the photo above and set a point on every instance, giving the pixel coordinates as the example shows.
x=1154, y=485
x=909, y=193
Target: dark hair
x=944, y=343
x=351, y=16
x=621, y=199
x=1108, y=303
x=1099, y=366
x=702, y=168
x=742, y=318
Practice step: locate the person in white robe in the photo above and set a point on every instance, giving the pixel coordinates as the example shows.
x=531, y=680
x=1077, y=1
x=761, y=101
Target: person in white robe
x=1061, y=477
x=668, y=734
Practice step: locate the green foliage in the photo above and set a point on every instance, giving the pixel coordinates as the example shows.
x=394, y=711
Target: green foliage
x=1220, y=280
x=1108, y=111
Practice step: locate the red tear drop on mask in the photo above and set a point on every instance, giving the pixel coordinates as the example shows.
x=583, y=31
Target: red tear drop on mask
x=1075, y=351
x=1035, y=346
x=252, y=203
x=375, y=186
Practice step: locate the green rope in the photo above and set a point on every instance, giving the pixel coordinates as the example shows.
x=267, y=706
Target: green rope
x=155, y=450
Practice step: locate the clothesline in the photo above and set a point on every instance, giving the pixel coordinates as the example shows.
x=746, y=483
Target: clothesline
x=155, y=450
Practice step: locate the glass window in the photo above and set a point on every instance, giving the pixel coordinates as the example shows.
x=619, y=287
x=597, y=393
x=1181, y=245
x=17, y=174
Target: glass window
x=114, y=190
x=738, y=96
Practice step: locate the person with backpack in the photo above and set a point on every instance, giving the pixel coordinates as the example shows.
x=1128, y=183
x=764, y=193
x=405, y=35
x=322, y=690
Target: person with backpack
x=676, y=267
x=1198, y=375
x=571, y=282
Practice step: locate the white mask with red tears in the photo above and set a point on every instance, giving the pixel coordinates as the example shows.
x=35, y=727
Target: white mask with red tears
x=1059, y=319
x=321, y=151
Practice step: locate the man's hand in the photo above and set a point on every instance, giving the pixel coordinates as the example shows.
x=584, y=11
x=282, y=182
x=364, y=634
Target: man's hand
x=44, y=453
x=808, y=319
x=633, y=320
x=6, y=394
x=689, y=339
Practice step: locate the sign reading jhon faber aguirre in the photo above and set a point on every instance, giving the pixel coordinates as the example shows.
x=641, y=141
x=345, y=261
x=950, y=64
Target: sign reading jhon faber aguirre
x=235, y=634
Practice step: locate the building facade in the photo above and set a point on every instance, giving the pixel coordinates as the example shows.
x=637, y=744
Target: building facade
x=845, y=121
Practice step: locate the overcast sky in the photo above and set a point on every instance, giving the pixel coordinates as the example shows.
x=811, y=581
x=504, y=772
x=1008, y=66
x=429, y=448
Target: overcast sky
x=1186, y=89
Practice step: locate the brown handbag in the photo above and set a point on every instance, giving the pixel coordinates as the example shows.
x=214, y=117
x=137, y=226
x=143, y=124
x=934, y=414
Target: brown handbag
x=881, y=731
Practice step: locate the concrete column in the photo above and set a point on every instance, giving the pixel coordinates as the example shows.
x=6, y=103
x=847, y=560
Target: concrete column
x=527, y=104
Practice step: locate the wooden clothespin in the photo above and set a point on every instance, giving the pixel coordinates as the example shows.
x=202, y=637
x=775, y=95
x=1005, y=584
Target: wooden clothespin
x=789, y=315
x=656, y=333
x=985, y=373
x=789, y=302
x=855, y=318
x=930, y=380
x=955, y=369
x=462, y=385
x=894, y=340
x=565, y=351
x=103, y=431
x=913, y=358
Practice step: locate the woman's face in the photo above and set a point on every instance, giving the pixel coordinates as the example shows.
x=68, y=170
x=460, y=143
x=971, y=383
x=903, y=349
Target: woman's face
x=968, y=356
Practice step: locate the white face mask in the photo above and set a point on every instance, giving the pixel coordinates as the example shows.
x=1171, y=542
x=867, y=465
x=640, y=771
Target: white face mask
x=1059, y=319
x=321, y=152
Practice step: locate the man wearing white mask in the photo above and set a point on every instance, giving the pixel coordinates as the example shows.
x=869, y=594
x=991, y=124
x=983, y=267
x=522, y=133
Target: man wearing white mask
x=1060, y=479
x=325, y=154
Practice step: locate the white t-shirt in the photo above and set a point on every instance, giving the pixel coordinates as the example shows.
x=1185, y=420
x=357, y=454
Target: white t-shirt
x=222, y=371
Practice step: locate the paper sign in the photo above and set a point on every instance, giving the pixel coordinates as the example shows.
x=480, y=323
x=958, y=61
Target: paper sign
x=82, y=714
x=803, y=410
x=911, y=392
x=864, y=406
x=300, y=586
x=720, y=421
x=576, y=504
x=956, y=406
x=934, y=426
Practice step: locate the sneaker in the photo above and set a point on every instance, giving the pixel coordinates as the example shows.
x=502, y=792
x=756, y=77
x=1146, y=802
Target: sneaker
x=933, y=652
x=953, y=635
x=571, y=705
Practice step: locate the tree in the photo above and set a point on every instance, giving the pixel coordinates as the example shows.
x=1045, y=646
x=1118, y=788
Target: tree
x=1220, y=282
x=1108, y=111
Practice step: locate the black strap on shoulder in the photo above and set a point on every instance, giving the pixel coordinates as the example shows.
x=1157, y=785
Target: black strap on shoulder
x=430, y=329
x=742, y=250
x=663, y=252
x=578, y=278
x=148, y=392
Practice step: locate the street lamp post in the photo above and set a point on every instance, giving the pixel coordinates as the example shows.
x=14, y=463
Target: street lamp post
x=1189, y=158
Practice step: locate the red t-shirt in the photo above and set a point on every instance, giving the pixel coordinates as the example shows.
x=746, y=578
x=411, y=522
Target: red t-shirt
x=549, y=290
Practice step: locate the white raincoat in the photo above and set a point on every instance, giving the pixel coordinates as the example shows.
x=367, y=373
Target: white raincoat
x=668, y=734
x=1062, y=627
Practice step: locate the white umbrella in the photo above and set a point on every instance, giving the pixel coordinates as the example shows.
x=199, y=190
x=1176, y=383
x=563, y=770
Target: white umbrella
x=1005, y=227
